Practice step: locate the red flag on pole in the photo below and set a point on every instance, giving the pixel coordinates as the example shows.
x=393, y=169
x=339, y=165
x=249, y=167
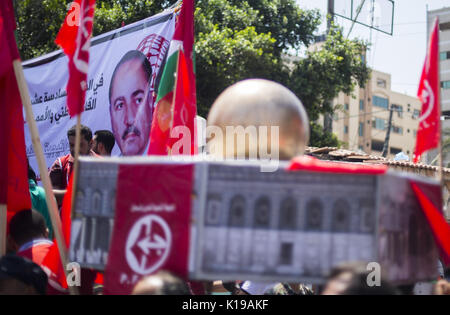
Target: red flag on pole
x=176, y=100
x=428, y=133
x=14, y=190
x=74, y=38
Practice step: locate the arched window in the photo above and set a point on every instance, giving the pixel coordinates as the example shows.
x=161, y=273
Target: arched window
x=213, y=210
x=288, y=214
x=261, y=215
x=97, y=202
x=237, y=211
x=341, y=216
x=314, y=215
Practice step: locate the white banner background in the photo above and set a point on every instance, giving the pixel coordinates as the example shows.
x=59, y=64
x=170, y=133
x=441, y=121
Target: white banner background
x=47, y=78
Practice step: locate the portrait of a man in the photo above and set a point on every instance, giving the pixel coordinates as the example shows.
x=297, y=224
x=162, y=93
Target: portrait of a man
x=130, y=103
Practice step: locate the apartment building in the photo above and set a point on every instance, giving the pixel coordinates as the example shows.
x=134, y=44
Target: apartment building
x=444, y=64
x=361, y=120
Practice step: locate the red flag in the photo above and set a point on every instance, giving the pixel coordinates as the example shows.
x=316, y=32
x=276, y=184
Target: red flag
x=144, y=239
x=428, y=133
x=74, y=38
x=184, y=111
x=179, y=109
x=439, y=227
x=312, y=164
x=14, y=190
x=53, y=261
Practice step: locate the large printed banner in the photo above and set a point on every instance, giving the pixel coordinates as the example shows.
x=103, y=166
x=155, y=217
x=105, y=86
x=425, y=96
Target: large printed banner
x=124, y=71
x=245, y=224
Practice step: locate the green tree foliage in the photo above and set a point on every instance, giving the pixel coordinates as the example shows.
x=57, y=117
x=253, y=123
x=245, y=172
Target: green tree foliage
x=235, y=40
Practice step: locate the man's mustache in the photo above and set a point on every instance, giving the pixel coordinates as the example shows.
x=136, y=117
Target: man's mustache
x=131, y=129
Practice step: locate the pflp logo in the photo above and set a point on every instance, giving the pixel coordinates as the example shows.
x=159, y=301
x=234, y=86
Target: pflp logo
x=148, y=244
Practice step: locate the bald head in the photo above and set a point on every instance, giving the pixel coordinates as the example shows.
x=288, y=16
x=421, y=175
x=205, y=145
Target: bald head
x=161, y=283
x=257, y=103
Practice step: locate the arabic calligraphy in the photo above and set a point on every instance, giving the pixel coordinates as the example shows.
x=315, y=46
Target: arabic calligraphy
x=47, y=97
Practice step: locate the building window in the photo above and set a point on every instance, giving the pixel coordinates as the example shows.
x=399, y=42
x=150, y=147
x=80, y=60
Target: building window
x=346, y=129
x=444, y=26
x=416, y=114
x=398, y=109
x=361, y=129
x=361, y=105
x=415, y=133
x=396, y=129
x=377, y=145
x=379, y=123
x=380, y=101
x=381, y=83
x=346, y=106
x=446, y=114
x=444, y=55
x=361, y=148
x=445, y=85
x=395, y=150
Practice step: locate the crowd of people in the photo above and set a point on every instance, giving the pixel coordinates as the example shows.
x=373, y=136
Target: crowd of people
x=247, y=103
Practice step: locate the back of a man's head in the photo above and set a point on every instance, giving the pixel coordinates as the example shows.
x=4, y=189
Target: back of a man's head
x=255, y=104
x=105, y=137
x=161, y=283
x=26, y=226
x=19, y=275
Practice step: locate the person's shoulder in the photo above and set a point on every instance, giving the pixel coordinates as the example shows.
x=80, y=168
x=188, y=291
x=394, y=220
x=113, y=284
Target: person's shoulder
x=61, y=159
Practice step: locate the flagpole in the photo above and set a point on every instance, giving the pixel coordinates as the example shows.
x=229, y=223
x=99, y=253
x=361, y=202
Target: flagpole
x=37, y=147
x=75, y=163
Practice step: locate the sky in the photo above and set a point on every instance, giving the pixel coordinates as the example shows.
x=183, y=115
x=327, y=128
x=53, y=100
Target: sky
x=402, y=54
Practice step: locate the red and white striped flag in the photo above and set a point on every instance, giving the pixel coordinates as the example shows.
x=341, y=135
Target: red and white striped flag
x=74, y=38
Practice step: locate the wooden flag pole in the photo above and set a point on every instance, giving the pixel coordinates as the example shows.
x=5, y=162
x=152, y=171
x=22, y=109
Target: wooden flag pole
x=2, y=229
x=75, y=163
x=50, y=198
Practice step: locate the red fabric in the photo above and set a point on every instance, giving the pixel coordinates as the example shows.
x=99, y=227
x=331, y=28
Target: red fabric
x=184, y=110
x=197, y=287
x=74, y=39
x=152, y=224
x=311, y=164
x=38, y=254
x=14, y=189
x=61, y=170
x=439, y=226
x=53, y=260
x=184, y=106
x=428, y=133
x=184, y=30
x=160, y=131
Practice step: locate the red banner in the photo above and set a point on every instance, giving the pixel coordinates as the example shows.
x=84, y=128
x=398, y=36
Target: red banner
x=74, y=38
x=152, y=221
x=14, y=188
x=428, y=133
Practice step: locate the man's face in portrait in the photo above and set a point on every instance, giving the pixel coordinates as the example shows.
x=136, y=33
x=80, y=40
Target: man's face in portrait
x=130, y=107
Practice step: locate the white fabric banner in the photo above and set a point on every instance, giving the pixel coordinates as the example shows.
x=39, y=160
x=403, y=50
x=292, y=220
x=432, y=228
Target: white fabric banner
x=118, y=105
